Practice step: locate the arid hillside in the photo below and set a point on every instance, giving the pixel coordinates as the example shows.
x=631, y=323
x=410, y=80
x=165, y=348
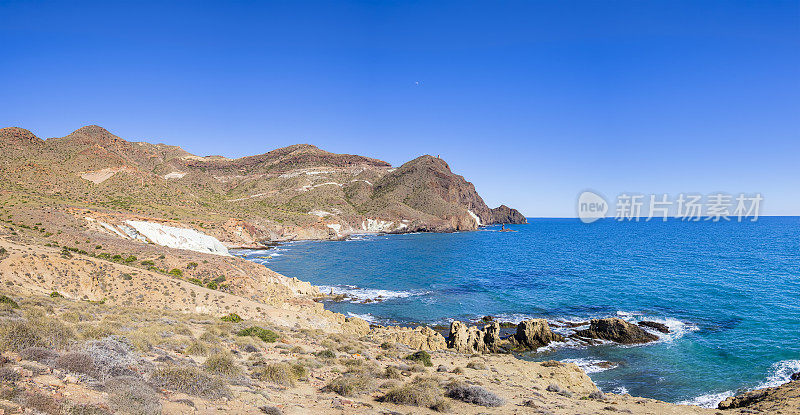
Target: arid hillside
x=296, y=192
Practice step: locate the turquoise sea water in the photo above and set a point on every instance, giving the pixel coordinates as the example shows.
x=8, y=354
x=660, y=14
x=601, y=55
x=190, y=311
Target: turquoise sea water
x=728, y=291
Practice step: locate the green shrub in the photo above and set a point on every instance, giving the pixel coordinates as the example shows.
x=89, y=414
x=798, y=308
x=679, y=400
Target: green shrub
x=130, y=259
x=175, y=272
x=55, y=294
x=212, y=285
x=126, y=277
x=232, y=317
x=190, y=380
x=8, y=301
x=3, y=251
x=148, y=263
x=422, y=357
x=195, y=281
x=191, y=265
x=267, y=335
x=116, y=257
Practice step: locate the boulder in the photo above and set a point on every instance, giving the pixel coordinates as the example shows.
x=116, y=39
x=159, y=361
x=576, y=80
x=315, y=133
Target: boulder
x=535, y=333
x=654, y=325
x=419, y=338
x=616, y=330
x=471, y=339
x=795, y=376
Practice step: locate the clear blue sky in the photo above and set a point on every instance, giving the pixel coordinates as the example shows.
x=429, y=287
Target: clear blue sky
x=531, y=101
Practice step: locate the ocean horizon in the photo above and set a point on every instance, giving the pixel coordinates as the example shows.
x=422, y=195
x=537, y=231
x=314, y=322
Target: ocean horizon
x=724, y=289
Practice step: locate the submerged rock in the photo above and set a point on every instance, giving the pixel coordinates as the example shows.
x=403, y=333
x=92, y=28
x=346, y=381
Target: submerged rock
x=655, y=325
x=535, y=333
x=616, y=330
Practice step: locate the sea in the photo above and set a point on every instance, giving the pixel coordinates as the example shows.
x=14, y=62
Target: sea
x=728, y=291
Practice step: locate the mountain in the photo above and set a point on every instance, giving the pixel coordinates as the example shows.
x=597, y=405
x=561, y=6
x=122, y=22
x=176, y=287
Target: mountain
x=295, y=192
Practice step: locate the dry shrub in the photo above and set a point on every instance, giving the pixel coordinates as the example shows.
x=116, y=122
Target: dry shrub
x=85, y=409
x=197, y=348
x=473, y=394
x=132, y=396
x=113, y=357
x=77, y=362
x=16, y=335
x=392, y=373
x=39, y=354
x=190, y=380
x=422, y=392
x=42, y=403
x=476, y=365
x=221, y=364
x=351, y=384
x=281, y=373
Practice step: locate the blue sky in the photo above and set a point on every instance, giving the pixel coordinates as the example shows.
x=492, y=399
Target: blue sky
x=533, y=102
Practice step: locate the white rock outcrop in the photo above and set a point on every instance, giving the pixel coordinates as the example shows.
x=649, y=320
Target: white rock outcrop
x=180, y=238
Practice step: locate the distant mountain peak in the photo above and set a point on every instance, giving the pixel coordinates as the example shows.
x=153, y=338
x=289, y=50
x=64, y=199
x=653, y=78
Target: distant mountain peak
x=17, y=135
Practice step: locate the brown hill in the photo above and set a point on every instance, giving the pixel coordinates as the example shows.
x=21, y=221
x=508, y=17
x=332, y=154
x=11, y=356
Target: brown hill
x=296, y=192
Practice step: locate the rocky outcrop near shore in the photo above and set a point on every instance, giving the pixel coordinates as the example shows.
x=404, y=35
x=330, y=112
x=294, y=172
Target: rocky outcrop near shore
x=419, y=338
x=535, y=333
x=530, y=335
x=616, y=330
x=783, y=399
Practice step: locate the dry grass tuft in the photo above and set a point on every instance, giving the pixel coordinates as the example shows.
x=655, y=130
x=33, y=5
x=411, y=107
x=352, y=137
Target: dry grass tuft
x=132, y=396
x=221, y=364
x=351, y=385
x=422, y=392
x=190, y=380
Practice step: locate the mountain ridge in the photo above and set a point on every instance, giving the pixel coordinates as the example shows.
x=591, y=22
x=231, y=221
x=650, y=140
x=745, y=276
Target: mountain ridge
x=294, y=192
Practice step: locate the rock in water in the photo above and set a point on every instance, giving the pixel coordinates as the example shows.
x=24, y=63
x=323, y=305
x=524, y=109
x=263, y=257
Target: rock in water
x=655, y=325
x=795, y=376
x=535, y=333
x=616, y=330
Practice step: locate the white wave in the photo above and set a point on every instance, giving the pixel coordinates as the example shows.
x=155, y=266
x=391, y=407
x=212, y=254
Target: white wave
x=369, y=318
x=591, y=365
x=710, y=400
x=677, y=328
x=356, y=294
x=780, y=373
x=620, y=390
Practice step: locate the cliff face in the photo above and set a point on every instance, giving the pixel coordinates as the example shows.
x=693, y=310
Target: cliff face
x=296, y=192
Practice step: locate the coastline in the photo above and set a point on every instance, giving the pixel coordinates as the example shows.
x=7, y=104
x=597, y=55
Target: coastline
x=709, y=400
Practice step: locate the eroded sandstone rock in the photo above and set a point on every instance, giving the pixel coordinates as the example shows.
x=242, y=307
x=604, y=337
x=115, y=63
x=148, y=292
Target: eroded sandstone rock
x=420, y=338
x=471, y=339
